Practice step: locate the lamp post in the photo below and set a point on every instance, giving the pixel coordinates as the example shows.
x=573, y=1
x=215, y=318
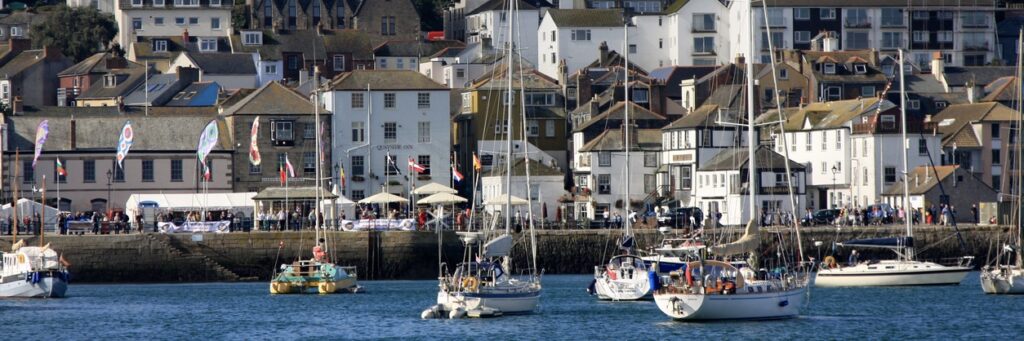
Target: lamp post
x=110, y=182
x=835, y=171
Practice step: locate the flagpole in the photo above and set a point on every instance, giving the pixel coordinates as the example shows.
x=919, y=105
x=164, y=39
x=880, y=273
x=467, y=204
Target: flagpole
x=58, y=194
x=42, y=219
x=287, y=209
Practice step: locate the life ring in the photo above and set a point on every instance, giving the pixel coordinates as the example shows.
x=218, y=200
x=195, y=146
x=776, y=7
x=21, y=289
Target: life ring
x=470, y=283
x=21, y=258
x=830, y=262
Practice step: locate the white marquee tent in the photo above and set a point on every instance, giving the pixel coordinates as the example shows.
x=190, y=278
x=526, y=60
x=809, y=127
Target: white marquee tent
x=28, y=208
x=239, y=202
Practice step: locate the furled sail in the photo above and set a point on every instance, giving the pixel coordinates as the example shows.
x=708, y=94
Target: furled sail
x=747, y=243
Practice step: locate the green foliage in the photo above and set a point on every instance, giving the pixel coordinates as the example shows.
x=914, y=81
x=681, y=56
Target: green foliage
x=79, y=32
x=240, y=15
x=431, y=13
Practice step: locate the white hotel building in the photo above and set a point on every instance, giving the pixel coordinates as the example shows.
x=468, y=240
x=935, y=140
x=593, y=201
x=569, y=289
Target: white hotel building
x=379, y=112
x=204, y=19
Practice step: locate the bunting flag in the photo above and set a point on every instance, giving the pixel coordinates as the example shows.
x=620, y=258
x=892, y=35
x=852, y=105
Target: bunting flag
x=60, y=168
x=418, y=168
x=41, y=132
x=206, y=173
x=280, y=171
x=476, y=163
x=207, y=141
x=288, y=166
x=124, y=143
x=341, y=176
x=254, y=149
x=391, y=163
x=456, y=174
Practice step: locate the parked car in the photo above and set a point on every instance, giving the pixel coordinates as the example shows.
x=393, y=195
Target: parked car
x=680, y=217
x=886, y=214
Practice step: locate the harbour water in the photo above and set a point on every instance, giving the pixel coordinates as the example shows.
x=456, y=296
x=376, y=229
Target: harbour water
x=390, y=309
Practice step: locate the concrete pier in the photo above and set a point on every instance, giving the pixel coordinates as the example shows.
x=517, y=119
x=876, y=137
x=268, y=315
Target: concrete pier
x=143, y=258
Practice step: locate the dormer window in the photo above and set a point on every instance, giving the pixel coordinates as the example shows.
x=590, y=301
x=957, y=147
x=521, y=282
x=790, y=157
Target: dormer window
x=783, y=73
x=136, y=3
x=186, y=3
x=160, y=45
x=15, y=31
x=207, y=44
x=109, y=81
x=860, y=69
x=830, y=68
x=252, y=38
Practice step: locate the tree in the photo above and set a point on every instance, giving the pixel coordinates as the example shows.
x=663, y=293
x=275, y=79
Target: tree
x=79, y=32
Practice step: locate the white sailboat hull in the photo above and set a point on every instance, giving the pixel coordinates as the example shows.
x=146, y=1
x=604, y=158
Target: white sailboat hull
x=510, y=303
x=740, y=306
x=626, y=289
x=1006, y=281
x=891, y=273
x=19, y=287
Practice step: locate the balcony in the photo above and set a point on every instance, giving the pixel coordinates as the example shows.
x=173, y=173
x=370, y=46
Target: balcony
x=893, y=23
x=864, y=22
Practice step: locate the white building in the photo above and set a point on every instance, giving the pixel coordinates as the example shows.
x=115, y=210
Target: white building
x=545, y=187
x=690, y=142
x=722, y=185
x=604, y=168
x=203, y=19
x=697, y=33
x=403, y=114
x=458, y=67
x=490, y=23
x=571, y=34
x=105, y=6
x=230, y=70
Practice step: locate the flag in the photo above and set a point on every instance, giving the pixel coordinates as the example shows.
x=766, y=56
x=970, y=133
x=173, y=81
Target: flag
x=280, y=171
x=206, y=173
x=124, y=143
x=207, y=140
x=60, y=168
x=41, y=132
x=341, y=176
x=456, y=175
x=476, y=163
x=288, y=166
x=254, y=149
x=418, y=168
x=391, y=163
x=323, y=144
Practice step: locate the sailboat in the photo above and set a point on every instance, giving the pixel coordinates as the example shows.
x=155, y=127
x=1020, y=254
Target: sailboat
x=31, y=271
x=905, y=269
x=1008, y=278
x=317, y=272
x=483, y=285
x=624, y=277
x=709, y=289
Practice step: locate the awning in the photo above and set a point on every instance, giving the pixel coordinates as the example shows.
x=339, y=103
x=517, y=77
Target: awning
x=383, y=198
x=433, y=188
x=662, y=169
x=441, y=199
x=503, y=199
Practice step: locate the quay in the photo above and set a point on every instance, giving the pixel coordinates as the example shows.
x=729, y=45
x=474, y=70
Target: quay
x=378, y=255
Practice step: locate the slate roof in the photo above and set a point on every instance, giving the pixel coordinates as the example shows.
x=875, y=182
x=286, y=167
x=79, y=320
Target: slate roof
x=519, y=169
x=611, y=140
x=23, y=18
x=22, y=61
x=706, y=115
x=357, y=43
x=224, y=63
x=586, y=17
x=501, y=5
x=958, y=117
x=175, y=46
x=128, y=80
x=922, y=83
x=875, y=3
x=1003, y=89
x=99, y=129
x=736, y=158
x=273, y=99
x=384, y=80
x=413, y=48
x=94, y=64
x=672, y=75
x=618, y=112
x=923, y=178
x=159, y=85
x=958, y=76
x=524, y=76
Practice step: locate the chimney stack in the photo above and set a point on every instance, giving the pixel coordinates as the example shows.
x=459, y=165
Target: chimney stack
x=938, y=65
x=602, y=54
x=184, y=37
x=73, y=136
x=17, y=107
x=829, y=43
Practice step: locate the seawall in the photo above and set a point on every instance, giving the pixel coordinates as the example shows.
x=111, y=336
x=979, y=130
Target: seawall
x=413, y=255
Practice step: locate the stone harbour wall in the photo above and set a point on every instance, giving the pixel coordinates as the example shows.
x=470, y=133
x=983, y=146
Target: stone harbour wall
x=145, y=258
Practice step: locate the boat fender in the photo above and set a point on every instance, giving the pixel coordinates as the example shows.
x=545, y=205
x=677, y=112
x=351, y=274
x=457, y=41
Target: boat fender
x=831, y=263
x=689, y=277
x=784, y=303
x=457, y=313
x=35, y=277
x=470, y=283
x=653, y=280
x=592, y=288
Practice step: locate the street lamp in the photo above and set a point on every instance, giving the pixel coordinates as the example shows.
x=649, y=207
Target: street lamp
x=110, y=179
x=835, y=171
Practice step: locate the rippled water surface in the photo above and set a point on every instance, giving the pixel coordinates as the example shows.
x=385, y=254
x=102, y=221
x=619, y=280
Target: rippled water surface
x=391, y=309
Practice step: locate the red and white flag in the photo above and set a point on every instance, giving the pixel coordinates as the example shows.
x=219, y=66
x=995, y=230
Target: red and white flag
x=288, y=166
x=418, y=168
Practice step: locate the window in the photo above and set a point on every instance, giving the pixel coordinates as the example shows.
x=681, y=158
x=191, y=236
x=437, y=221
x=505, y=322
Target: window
x=650, y=183
x=828, y=14
x=424, y=160
x=316, y=12
x=994, y=127
x=604, y=159
x=867, y=91
x=158, y=21
x=552, y=36
x=357, y=100
x=532, y=128
x=400, y=63
x=888, y=122
x=339, y=62
x=639, y=96
x=309, y=162
x=865, y=171
x=914, y=104
x=857, y=18
x=255, y=169
x=136, y=3
x=390, y=168
x=147, y=170
x=423, y=132
x=776, y=17
x=467, y=102
x=28, y=173
x=892, y=17
x=270, y=69
x=920, y=36
x=16, y=31
x=944, y=36
x=579, y=35
x=281, y=131
x=549, y=128
x=89, y=171
x=890, y=174
x=118, y=171
x=974, y=19
x=945, y=15
x=974, y=41
x=604, y=184
x=703, y=22
x=423, y=100
x=824, y=140
x=996, y=159
x=892, y=40
x=856, y=40
x=704, y=45
x=137, y=24
x=632, y=48
x=389, y=100
x=801, y=37
x=309, y=130
x=186, y=3
x=776, y=43
x=650, y=159
x=215, y=3
x=215, y=23
x=920, y=15
x=830, y=68
x=340, y=13
x=157, y=3
x=390, y=130
x=358, y=165
x=207, y=44
x=801, y=14
x=808, y=140
x=358, y=131
x=541, y=99
x=501, y=127
x=180, y=21
x=159, y=45
x=922, y=147
x=387, y=25
x=193, y=20
x=864, y=147
x=460, y=73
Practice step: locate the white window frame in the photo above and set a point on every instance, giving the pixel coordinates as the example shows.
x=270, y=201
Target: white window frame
x=390, y=131
x=822, y=11
x=136, y=3
x=944, y=36
x=252, y=38
x=159, y=45
x=270, y=69
x=828, y=68
x=920, y=36
x=339, y=62
x=805, y=11
x=207, y=44
x=423, y=132
x=423, y=100
x=581, y=35
x=390, y=100
x=549, y=128
x=215, y=24
x=801, y=37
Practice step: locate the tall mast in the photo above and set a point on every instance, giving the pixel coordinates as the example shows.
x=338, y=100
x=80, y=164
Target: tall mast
x=508, y=124
x=626, y=123
x=1017, y=141
x=14, y=196
x=906, y=168
x=751, y=167
x=319, y=151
